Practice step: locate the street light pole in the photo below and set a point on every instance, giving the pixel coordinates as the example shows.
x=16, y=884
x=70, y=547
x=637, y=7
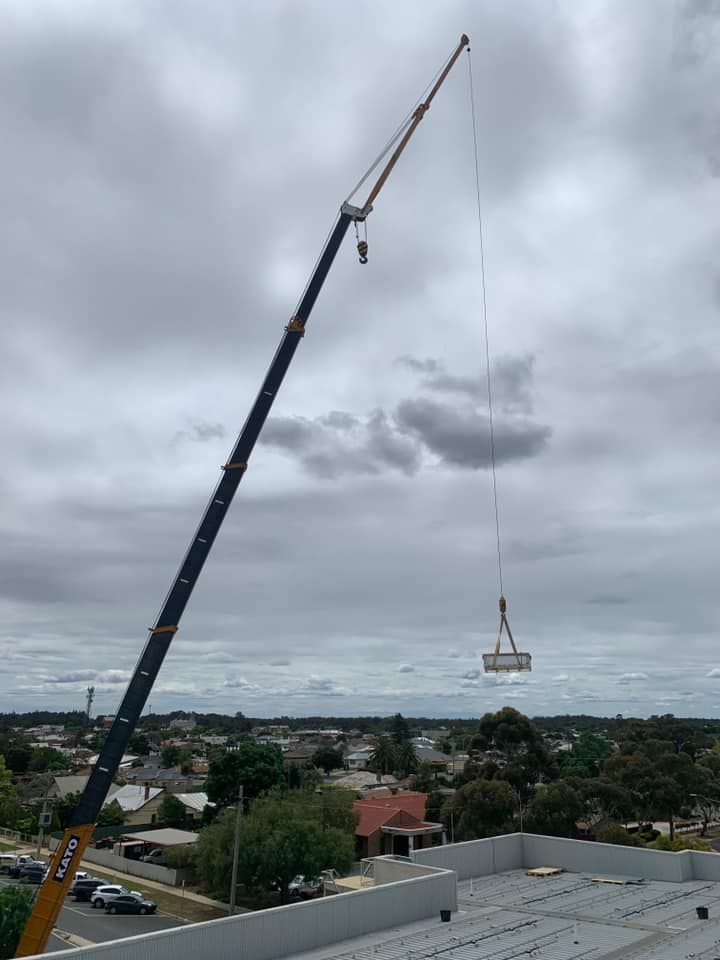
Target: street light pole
x=236, y=852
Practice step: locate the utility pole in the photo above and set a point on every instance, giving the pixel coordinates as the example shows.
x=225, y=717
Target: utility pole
x=44, y=820
x=236, y=852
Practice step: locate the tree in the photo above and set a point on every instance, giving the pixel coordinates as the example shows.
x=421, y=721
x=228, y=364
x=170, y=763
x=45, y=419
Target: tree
x=17, y=752
x=172, y=811
x=586, y=757
x=382, y=759
x=15, y=907
x=328, y=759
x=659, y=778
x=257, y=766
x=5, y=780
x=614, y=833
x=481, y=808
x=406, y=758
x=399, y=728
x=47, y=759
x=64, y=807
x=603, y=801
x=554, y=810
x=511, y=736
x=170, y=755
x=139, y=744
x=111, y=815
x=707, y=792
x=425, y=778
x=280, y=837
x=185, y=761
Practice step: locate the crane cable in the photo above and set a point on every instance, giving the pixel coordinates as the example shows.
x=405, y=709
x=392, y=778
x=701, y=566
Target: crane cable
x=491, y=423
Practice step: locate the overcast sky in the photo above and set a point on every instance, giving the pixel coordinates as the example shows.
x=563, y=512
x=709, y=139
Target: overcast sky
x=168, y=173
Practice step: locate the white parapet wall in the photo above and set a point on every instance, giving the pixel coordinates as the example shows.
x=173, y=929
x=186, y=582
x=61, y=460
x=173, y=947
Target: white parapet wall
x=476, y=858
x=479, y=858
x=282, y=931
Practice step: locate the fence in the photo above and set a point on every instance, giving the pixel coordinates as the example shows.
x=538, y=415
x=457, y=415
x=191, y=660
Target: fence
x=133, y=868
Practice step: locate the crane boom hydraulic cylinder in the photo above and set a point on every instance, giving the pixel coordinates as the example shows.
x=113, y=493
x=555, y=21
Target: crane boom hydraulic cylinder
x=68, y=855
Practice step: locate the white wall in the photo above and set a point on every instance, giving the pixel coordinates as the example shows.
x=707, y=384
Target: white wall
x=476, y=858
x=479, y=858
x=282, y=931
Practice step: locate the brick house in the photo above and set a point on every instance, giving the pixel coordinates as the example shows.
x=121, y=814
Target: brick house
x=394, y=825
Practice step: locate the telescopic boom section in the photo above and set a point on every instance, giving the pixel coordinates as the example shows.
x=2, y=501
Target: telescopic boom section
x=68, y=855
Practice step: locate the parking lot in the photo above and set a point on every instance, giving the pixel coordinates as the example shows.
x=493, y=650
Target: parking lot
x=96, y=926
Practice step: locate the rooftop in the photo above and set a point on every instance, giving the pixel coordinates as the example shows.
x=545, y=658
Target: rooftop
x=607, y=903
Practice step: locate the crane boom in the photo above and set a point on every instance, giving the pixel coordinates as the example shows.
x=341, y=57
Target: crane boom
x=68, y=855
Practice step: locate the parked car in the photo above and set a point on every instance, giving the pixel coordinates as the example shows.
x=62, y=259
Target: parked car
x=308, y=889
x=130, y=903
x=7, y=860
x=22, y=864
x=83, y=889
x=104, y=843
x=106, y=893
x=32, y=873
x=296, y=883
x=155, y=856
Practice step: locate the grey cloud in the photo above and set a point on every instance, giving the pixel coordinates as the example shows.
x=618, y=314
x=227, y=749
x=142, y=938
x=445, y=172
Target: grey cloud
x=340, y=443
x=632, y=678
x=715, y=672
x=238, y=683
x=97, y=676
x=74, y=676
x=406, y=668
x=201, y=432
x=472, y=675
x=428, y=365
x=461, y=437
x=511, y=381
x=609, y=599
x=156, y=239
x=279, y=663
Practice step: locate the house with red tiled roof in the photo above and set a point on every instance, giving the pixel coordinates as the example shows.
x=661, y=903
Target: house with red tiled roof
x=394, y=825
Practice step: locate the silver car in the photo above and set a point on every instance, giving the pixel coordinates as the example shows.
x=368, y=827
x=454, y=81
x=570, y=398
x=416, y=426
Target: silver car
x=106, y=894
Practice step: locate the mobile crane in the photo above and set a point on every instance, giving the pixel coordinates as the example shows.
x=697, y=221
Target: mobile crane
x=70, y=851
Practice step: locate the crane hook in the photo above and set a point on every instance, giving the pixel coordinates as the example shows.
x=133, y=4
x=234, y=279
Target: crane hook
x=362, y=248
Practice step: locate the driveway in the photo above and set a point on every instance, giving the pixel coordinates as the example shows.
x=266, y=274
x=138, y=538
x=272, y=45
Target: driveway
x=97, y=926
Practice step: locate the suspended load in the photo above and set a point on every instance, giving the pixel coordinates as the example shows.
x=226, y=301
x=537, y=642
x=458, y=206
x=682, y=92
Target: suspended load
x=498, y=662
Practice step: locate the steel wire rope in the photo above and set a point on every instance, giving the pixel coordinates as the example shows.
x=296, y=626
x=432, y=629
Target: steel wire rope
x=491, y=422
x=399, y=130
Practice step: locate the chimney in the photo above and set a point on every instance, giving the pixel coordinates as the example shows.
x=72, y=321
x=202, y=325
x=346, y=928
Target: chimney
x=147, y=792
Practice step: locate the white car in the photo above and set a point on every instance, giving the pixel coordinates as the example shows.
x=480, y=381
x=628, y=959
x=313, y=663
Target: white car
x=106, y=894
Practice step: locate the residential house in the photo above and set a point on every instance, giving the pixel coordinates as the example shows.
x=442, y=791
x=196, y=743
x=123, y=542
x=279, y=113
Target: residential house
x=194, y=804
x=394, y=825
x=140, y=804
x=172, y=779
x=359, y=759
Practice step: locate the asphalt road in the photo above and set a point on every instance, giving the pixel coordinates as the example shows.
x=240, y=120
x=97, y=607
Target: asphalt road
x=98, y=926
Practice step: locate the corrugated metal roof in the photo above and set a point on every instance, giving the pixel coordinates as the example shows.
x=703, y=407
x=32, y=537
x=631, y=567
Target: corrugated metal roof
x=164, y=837
x=565, y=917
x=133, y=797
x=195, y=801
